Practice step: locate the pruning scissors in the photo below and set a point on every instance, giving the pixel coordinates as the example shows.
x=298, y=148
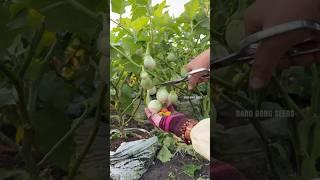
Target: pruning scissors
x=249, y=45
x=204, y=72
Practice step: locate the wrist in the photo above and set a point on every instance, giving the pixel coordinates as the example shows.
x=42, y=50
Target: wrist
x=186, y=130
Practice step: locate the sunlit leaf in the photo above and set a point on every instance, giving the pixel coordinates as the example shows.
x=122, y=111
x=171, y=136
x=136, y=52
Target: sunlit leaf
x=118, y=6
x=139, y=23
x=191, y=8
x=138, y=11
x=159, y=9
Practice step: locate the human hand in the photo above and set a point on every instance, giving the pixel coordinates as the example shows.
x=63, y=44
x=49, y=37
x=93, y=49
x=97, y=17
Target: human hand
x=264, y=14
x=154, y=117
x=201, y=61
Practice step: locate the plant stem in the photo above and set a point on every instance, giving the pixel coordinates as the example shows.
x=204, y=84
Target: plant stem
x=256, y=124
x=127, y=57
x=67, y=135
x=125, y=110
x=101, y=93
x=136, y=109
x=119, y=24
x=26, y=150
x=51, y=6
x=287, y=98
x=83, y=9
x=33, y=46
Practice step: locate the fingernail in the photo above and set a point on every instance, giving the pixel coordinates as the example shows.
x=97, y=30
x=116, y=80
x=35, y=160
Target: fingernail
x=256, y=83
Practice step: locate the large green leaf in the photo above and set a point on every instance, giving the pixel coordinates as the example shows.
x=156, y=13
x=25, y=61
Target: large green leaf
x=138, y=11
x=159, y=9
x=63, y=16
x=165, y=21
x=191, y=8
x=118, y=6
x=139, y=23
x=54, y=92
x=129, y=45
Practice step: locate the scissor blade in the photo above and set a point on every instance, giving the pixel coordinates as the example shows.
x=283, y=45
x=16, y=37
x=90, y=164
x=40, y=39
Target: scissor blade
x=225, y=61
x=172, y=82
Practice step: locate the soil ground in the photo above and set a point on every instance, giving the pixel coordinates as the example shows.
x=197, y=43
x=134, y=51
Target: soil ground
x=173, y=170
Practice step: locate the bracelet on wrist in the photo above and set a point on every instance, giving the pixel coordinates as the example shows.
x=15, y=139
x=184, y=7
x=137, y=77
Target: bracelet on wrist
x=186, y=130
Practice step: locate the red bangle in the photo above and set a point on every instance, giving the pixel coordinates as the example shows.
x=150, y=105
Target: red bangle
x=186, y=129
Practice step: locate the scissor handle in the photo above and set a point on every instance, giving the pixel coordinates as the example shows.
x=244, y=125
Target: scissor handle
x=253, y=39
x=198, y=71
x=280, y=29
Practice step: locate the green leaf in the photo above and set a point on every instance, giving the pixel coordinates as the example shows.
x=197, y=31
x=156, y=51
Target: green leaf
x=118, y=6
x=164, y=154
x=142, y=36
x=53, y=91
x=137, y=12
x=159, y=9
x=190, y=169
x=139, y=23
x=62, y=16
x=169, y=142
x=117, y=34
x=164, y=21
x=143, y=2
x=191, y=8
x=126, y=97
x=129, y=45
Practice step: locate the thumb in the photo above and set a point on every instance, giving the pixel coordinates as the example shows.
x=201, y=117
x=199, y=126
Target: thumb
x=148, y=112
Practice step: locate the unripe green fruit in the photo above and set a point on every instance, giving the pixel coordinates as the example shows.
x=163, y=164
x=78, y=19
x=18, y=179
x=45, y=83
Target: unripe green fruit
x=162, y=95
x=153, y=90
x=173, y=97
x=155, y=106
x=146, y=83
x=144, y=75
x=149, y=62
